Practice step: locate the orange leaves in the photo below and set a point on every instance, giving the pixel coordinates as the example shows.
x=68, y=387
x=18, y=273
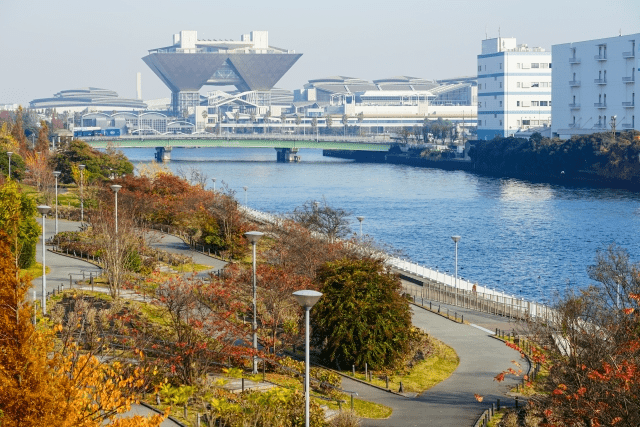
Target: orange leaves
x=628, y=310
x=499, y=377
x=478, y=397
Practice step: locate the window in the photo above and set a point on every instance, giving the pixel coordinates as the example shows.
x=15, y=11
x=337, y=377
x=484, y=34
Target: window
x=495, y=78
x=500, y=85
x=518, y=84
x=518, y=65
x=479, y=86
x=517, y=103
x=518, y=122
x=549, y=103
x=544, y=65
x=501, y=65
x=500, y=122
x=535, y=84
x=495, y=97
x=500, y=103
x=546, y=103
x=479, y=104
x=479, y=122
x=479, y=67
x=535, y=65
x=495, y=116
x=525, y=122
x=535, y=103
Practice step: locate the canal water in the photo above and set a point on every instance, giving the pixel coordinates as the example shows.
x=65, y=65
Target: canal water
x=533, y=240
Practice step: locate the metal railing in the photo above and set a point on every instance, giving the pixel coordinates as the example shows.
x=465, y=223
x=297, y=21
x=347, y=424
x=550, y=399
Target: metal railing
x=574, y=83
x=628, y=79
x=600, y=81
x=600, y=104
x=574, y=60
x=628, y=104
x=600, y=57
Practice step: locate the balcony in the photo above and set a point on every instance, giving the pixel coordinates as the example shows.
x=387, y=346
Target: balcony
x=600, y=104
x=600, y=57
x=573, y=125
x=600, y=81
x=627, y=126
x=629, y=104
x=599, y=125
x=574, y=83
x=630, y=54
x=628, y=79
x=574, y=60
x=574, y=106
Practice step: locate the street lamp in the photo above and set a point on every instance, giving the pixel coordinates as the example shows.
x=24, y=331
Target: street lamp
x=56, y=174
x=360, y=218
x=253, y=237
x=306, y=299
x=245, y=195
x=456, y=239
x=81, y=167
x=116, y=188
x=44, y=210
x=9, y=153
x=214, y=184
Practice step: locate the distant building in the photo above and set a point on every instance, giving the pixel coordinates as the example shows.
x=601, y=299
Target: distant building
x=595, y=80
x=514, y=88
x=90, y=98
x=250, y=64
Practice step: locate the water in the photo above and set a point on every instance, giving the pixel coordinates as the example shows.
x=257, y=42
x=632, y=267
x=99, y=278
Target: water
x=530, y=240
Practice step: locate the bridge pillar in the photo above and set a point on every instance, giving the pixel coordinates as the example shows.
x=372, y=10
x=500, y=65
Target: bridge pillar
x=163, y=154
x=287, y=155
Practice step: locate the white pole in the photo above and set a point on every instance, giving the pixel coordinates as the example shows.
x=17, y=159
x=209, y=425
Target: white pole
x=44, y=277
x=306, y=367
x=255, y=309
x=56, y=203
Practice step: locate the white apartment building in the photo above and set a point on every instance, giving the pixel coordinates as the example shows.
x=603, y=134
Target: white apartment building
x=514, y=88
x=594, y=81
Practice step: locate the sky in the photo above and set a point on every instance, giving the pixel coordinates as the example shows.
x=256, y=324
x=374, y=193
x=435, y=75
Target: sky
x=49, y=46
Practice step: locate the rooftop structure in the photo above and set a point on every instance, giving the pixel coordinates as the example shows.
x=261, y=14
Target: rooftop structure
x=250, y=64
x=91, y=98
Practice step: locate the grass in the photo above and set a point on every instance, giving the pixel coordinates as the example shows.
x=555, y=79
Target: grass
x=497, y=417
x=190, y=267
x=34, y=271
x=425, y=374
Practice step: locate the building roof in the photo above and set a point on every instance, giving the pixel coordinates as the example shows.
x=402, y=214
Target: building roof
x=87, y=97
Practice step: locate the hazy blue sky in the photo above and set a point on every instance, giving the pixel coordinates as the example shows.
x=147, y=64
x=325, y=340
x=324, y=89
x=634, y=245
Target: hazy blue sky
x=48, y=46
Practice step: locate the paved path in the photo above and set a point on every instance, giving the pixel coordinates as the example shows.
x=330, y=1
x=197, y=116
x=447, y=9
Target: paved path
x=450, y=403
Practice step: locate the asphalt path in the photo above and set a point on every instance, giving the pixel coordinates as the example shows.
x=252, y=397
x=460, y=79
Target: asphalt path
x=450, y=403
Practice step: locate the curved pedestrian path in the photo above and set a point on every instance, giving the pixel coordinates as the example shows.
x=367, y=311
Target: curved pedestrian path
x=450, y=403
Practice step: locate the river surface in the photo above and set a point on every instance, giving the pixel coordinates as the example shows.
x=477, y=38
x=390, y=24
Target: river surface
x=532, y=240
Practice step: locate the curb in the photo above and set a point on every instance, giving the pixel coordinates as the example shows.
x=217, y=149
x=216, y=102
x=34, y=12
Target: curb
x=363, y=381
x=74, y=257
x=439, y=314
x=169, y=417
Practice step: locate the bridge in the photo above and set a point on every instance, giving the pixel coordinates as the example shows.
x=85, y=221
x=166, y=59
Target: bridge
x=286, y=147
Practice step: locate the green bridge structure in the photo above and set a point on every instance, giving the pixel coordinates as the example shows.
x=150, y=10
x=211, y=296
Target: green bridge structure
x=286, y=149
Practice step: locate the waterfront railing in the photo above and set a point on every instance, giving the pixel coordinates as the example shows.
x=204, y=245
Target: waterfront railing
x=424, y=283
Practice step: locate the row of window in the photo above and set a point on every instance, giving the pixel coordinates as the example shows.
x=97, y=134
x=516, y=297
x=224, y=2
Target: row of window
x=522, y=104
x=523, y=65
x=523, y=85
x=523, y=122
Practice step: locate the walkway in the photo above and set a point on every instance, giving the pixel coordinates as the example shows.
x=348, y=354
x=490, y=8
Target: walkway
x=450, y=403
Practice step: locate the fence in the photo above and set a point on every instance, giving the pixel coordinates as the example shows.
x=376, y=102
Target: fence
x=438, y=286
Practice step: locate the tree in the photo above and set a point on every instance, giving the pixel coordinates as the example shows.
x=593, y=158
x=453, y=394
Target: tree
x=360, y=120
x=345, y=122
x=17, y=132
x=314, y=124
x=321, y=218
x=283, y=119
x=17, y=220
x=593, y=374
x=328, y=122
x=361, y=317
x=42, y=143
x=266, y=118
x=43, y=387
x=298, y=122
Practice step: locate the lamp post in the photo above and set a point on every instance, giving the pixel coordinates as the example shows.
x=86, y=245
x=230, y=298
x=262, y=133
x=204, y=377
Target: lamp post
x=360, y=218
x=253, y=237
x=306, y=299
x=116, y=188
x=9, y=153
x=456, y=239
x=81, y=167
x=56, y=174
x=44, y=210
x=245, y=194
x=214, y=184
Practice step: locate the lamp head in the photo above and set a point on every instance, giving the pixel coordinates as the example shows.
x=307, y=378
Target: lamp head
x=213, y=179
x=245, y=188
x=9, y=153
x=360, y=218
x=43, y=209
x=253, y=236
x=307, y=298
x=56, y=173
x=455, y=238
x=81, y=167
x=116, y=188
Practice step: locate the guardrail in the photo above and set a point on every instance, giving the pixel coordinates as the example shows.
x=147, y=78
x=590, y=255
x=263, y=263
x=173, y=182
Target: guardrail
x=441, y=287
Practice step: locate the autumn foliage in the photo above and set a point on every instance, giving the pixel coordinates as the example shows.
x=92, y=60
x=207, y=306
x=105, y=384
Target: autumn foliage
x=40, y=386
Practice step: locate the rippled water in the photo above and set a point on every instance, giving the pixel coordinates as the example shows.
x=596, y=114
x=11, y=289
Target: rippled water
x=532, y=240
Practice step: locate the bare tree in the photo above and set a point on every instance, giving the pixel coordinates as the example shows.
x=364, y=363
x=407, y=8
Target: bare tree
x=322, y=218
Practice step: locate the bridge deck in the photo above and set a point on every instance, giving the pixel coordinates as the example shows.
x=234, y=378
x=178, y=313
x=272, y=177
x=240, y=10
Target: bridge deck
x=238, y=143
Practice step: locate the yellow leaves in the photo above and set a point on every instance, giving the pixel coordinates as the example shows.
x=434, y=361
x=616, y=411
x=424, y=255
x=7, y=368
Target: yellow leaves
x=478, y=397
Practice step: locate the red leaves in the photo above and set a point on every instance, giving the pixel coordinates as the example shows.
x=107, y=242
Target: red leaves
x=478, y=397
x=628, y=310
x=499, y=377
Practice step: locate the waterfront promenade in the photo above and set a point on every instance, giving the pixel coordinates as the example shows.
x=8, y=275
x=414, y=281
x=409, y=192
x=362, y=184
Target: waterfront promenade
x=450, y=403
